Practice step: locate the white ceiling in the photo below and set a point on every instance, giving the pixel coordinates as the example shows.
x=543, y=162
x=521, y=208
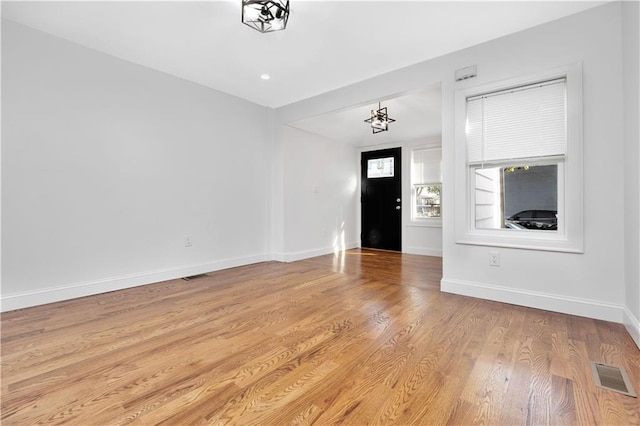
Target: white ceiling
x=327, y=44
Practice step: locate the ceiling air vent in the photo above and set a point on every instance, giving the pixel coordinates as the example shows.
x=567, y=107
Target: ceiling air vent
x=612, y=378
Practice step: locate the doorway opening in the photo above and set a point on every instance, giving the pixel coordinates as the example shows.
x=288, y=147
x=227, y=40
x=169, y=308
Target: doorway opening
x=341, y=138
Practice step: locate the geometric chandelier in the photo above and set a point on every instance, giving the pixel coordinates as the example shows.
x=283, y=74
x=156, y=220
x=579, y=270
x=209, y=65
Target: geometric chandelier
x=379, y=120
x=265, y=15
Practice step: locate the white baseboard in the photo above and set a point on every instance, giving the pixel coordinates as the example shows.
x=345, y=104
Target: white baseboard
x=424, y=251
x=546, y=301
x=277, y=257
x=632, y=324
x=305, y=254
x=9, y=302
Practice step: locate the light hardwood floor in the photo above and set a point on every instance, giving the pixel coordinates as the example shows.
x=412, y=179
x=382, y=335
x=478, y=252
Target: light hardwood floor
x=361, y=338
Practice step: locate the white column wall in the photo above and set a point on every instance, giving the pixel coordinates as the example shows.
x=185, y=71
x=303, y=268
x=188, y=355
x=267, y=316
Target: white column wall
x=631, y=70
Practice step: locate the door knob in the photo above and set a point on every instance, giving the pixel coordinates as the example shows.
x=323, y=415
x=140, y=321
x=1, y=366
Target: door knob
x=397, y=207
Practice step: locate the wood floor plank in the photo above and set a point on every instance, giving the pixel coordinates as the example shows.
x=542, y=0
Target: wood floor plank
x=361, y=337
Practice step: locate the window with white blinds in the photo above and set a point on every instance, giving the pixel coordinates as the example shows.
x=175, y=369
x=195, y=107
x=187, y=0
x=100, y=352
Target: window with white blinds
x=426, y=178
x=426, y=166
x=524, y=122
x=518, y=162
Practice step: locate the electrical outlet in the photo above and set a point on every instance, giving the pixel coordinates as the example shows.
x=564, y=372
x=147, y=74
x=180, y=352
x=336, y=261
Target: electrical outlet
x=494, y=258
x=187, y=241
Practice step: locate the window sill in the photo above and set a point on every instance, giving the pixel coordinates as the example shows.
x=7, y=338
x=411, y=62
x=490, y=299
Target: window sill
x=534, y=240
x=425, y=223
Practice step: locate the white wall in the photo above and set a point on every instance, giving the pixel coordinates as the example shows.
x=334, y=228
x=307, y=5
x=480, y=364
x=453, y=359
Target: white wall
x=590, y=284
x=107, y=166
x=320, y=195
x=631, y=61
x=423, y=239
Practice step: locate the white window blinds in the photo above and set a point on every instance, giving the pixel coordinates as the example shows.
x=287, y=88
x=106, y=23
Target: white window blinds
x=425, y=166
x=524, y=122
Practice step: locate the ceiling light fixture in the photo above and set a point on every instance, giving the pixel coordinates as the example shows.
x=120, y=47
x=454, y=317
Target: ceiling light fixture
x=379, y=120
x=265, y=15
x=265, y=76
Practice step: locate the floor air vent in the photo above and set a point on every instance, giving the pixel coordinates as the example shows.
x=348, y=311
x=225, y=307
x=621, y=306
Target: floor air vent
x=194, y=277
x=612, y=378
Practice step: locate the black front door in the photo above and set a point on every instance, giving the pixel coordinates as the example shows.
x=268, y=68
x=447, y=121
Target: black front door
x=381, y=189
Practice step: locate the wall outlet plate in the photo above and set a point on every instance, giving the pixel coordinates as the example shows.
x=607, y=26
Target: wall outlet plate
x=494, y=258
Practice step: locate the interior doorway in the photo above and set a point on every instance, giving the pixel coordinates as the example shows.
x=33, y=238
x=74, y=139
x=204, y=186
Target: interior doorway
x=418, y=127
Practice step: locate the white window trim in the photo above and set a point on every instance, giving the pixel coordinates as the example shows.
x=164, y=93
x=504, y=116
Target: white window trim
x=568, y=238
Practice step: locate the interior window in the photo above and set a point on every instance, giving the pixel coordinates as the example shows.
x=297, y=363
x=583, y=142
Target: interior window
x=518, y=171
x=516, y=141
x=519, y=197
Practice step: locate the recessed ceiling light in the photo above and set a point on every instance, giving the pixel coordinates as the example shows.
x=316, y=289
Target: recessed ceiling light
x=265, y=76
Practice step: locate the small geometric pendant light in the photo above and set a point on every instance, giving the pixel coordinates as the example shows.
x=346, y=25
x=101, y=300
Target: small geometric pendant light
x=379, y=120
x=265, y=15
